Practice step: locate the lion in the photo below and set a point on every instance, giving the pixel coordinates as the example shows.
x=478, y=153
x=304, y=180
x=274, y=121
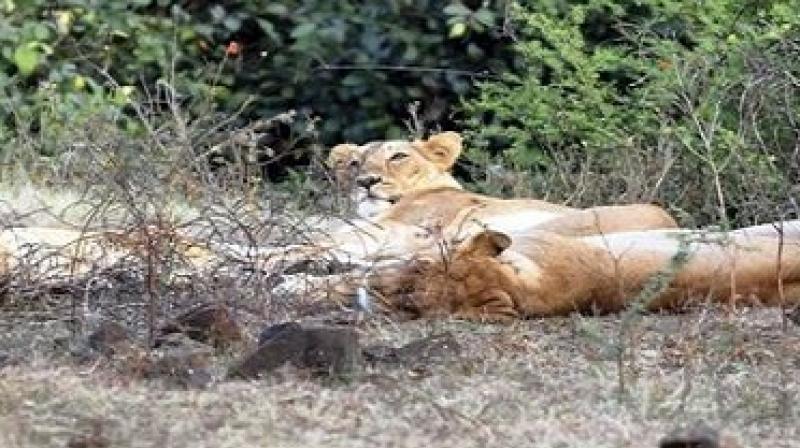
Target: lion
x=492, y=276
x=417, y=221
x=408, y=196
x=59, y=252
x=380, y=174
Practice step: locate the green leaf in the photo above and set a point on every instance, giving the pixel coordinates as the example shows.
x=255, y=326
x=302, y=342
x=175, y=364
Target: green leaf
x=64, y=21
x=269, y=29
x=352, y=80
x=457, y=9
x=277, y=9
x=232, y=23
x=122, y=95
x=26, y=58
x=474, y=51
x=304, y=30
x=41, y=32
x=457, y=30
x=411, y=54
x=204, y=29
x=217, y=13
x=485, y=17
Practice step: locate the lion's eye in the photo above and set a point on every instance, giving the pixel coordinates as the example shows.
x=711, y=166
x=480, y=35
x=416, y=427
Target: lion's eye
x=353, y=164
x=398, y=156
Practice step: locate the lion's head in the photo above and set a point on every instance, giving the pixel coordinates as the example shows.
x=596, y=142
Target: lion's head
x=379, y=173
x=470, y=282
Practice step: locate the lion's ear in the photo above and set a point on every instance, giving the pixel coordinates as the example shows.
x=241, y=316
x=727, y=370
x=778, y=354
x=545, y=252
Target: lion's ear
x=442, y=149
x=339, y=153
x=488, y=243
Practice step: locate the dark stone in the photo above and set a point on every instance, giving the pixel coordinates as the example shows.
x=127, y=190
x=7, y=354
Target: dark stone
x=82, y=353
x=181, y=361
x=424, y=351
x=211, y=323
x=92, y=438
x=326, y=351
x=110, y=339
x=4, y=360
x=381, y=353
x=88, y=441
x=697, y=435
x=431, y=349
x=794, y=315
x=273, y=331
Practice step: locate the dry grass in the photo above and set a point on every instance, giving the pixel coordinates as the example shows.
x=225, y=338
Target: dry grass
x=545, y=383
x=22, y=203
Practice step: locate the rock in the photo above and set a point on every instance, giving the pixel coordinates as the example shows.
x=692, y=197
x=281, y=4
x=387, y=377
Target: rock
x=794, y=315
x=430, y=349
x=272, y=331
x=424, y=351
x=181, y=361
x=698, y=435
x=93, y=438
x=211, y=323
x=381, y=353
x=112, y=339
x=326, y=351
x=88, y=441
x=83, y=353
x=4, y=359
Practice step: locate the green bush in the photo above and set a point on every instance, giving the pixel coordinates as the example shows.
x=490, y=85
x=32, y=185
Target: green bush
x=689, y=98
x=356, y=65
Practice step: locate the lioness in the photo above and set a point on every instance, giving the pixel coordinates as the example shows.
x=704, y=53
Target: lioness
x=493, y=276
x=379, y=173
x=417, y=221
x=382, y=173
x=410, y=182
x=58, y=252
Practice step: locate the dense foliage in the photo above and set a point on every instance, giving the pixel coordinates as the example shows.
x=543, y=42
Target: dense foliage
x=584, y=101
x=356, y=65
x=707, y=85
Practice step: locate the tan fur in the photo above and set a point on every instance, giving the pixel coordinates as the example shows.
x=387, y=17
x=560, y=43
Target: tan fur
x=398, y=167
x=492, y=277
x=409, y=198
x=342, y=155
x=410, y=182
x=50, y=250
x=344, y=160
x=455, y=209
x=413, y=225
x=415, y=177
x=379, y=173
x=58, y=252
